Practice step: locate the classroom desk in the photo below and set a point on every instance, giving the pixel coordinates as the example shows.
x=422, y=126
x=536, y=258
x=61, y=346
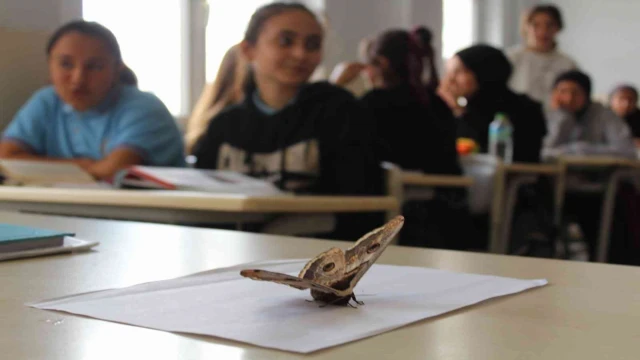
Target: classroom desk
x=509, y=179
x=179, y=206
x=412, y=178
x=405, y=185
x=618, y=169
x=585, y=313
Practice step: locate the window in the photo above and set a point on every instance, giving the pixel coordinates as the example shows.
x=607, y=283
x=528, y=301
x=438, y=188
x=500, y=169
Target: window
x=225, y=28
x=457, y=30
x=150, y=33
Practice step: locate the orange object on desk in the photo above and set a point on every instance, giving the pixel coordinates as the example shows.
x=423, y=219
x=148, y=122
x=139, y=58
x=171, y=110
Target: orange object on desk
x=466, y=146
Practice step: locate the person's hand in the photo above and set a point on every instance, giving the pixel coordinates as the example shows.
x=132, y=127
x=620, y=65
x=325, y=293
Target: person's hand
x=344, y=73
x=636, y=141
x=555, y=102
x=445, y=93
x=580, y=148
x=84, y=163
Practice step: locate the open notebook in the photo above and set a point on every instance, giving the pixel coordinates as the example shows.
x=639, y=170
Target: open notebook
x=42, y=173
x=194, y=179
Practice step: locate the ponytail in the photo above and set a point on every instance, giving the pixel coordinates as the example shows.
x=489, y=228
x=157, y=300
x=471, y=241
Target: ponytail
x=405, y=56
x=424, y=37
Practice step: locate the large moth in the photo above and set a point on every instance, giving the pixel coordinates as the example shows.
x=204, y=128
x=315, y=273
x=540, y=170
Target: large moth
x=333, y=274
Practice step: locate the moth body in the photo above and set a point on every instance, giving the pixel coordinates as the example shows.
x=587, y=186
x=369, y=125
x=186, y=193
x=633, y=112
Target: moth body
x=333, y=274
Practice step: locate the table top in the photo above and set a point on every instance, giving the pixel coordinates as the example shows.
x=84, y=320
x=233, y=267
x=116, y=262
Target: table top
x=420, y=179
x=530, y=168
x=587, y=312
x=597, y=161
x=191, y=200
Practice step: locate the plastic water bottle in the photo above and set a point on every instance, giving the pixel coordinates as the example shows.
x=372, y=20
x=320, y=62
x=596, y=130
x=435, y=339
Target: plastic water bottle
x=500, y=138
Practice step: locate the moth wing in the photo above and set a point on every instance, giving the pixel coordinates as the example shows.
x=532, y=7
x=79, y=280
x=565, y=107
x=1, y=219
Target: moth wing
x=369, y=247
x=289, y=280
x=326, y=268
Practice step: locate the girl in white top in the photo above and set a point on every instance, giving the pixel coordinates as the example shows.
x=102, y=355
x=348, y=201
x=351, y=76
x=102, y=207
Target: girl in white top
x=536, y=65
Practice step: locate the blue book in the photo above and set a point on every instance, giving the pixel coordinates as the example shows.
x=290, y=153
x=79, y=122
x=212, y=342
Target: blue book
x=19, y=238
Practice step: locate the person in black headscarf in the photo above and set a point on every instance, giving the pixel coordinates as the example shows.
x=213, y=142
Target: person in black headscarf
x=475, y=88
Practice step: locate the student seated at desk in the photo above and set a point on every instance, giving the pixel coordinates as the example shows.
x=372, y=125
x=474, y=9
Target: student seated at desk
x=578, y=126
x=88, y=116
x=475, y=89
x=416, y=132
x=623, y=101
x=306, y=138
x=411, y=134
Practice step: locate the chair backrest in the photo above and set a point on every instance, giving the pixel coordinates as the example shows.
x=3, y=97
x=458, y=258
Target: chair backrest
x=23, y=69
x=394, y=186
x=414, y=185
x=483, y=168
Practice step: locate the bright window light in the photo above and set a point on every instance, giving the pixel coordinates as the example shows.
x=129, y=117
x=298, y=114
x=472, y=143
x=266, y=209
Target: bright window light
x=150, y=37
x=457, y=30
x=226, y=25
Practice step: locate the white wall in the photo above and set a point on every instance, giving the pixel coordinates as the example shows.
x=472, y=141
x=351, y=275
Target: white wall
x=24, y=29
x=44, y=15
x=351, y=20
x=602, y=36
x=498, y=21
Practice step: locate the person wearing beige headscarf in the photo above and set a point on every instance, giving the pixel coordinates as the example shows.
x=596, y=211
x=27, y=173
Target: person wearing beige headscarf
x=227, y=89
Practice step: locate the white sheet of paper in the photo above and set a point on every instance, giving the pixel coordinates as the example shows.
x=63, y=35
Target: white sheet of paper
x=222, y=303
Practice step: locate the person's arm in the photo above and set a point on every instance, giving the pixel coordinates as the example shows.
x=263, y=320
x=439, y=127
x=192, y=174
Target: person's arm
x=618, y=140
x=207, y=148
x=145, y=133
x=344, y=73
x=10, y=149
x=450, y=99
x=26, y=135
x=557, y=141
x=117, y=160
x=442, y=157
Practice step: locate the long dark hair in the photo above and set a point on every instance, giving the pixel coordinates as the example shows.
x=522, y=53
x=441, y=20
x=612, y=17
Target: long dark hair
x=425, y=38
x=404, y=53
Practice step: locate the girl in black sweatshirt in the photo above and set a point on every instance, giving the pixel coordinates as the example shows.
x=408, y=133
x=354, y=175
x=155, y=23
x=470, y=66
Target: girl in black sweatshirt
x=416, y=131
x=413, y=128
x=306, y=138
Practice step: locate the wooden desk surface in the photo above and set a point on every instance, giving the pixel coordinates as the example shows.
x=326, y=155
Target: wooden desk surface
x=595, y=161
x=589, y=311
x=526, y=168
x=188, y=200
x=420, y=179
